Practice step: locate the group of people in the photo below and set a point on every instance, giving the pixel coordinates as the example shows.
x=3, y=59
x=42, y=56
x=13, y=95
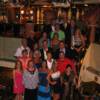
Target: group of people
x=42, y=79
x=48, y=68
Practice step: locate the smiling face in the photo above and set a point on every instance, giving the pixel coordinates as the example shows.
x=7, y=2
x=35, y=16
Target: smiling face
x=36, y=54
x=45, y=44
x=57, y=27
x=68, y=70
x=31, y=65
x=61, y=45
x=61, y=55
x=49, y=56
x=24, y=53
x=44, y=35
x=44, y=64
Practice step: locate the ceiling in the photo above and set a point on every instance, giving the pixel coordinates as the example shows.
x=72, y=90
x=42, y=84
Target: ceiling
x=86, y=1
x=48, y=1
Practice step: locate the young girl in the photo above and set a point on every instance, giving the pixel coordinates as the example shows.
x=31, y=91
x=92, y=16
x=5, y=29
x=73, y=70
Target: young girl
x=44, y=88
x=18, y=87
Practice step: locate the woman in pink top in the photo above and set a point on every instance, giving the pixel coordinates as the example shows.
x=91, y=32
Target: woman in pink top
x=18, y=87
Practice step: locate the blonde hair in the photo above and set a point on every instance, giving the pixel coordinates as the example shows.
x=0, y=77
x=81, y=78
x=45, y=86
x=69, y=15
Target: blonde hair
x=53, y=66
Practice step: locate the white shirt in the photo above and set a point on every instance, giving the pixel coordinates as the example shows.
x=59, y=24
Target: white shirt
x=45, y=54
x=19, y=50
x=49, y=64
x=65, y=25
x=53, y=28
x=63, y=50
x=55, y=75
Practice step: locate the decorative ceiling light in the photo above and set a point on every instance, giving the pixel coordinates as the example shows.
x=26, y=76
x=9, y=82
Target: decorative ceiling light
x=22, y=11
x=31, y=11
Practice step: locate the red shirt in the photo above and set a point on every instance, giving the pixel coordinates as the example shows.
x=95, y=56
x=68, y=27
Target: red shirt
x=61, y=65
x=24, y=61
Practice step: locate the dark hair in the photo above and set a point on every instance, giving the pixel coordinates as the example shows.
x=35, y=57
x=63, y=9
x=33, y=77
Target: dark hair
x=25, y=50
x=43, y=62
x=49, y=52
x=61, y=52
x=68, y=66
x=29, y=62
x=45, y=41
x=62, y=42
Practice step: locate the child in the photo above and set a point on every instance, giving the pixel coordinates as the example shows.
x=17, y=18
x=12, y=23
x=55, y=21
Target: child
x=18, y=81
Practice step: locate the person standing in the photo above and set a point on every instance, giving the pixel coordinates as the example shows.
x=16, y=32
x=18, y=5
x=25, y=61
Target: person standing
x=45, y=49
x=44, y=87
x=54, y=78
x=30, y=80
x=68, y=80
x=18, y=87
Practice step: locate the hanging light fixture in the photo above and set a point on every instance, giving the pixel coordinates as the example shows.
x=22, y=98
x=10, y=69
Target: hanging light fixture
x=22, y=12
x=31, y=11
